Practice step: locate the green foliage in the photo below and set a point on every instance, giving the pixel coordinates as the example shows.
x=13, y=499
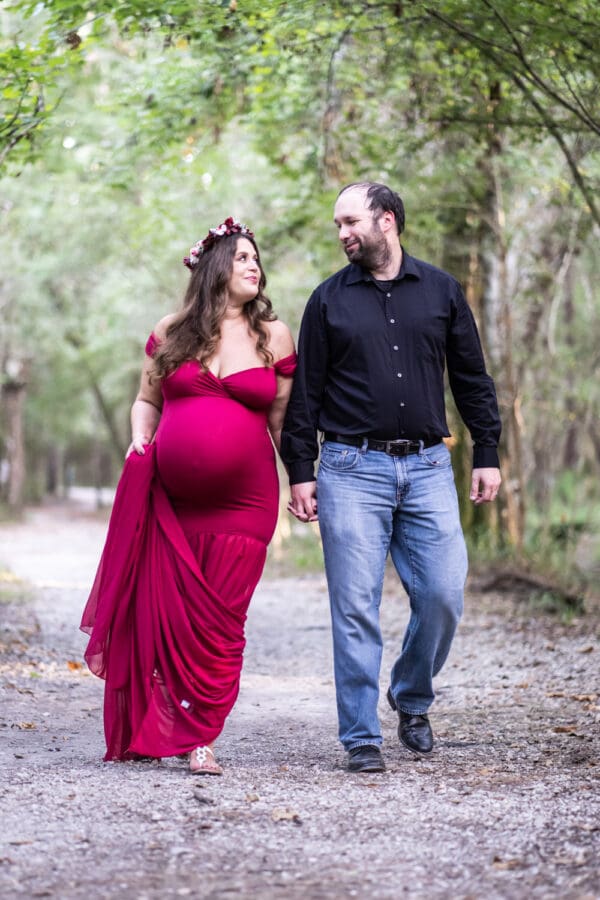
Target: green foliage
x=33, y=62
x=350, y=87
x=562, y=543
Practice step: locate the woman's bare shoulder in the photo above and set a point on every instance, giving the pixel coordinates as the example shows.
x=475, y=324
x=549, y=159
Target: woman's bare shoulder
x=161, y=327
x=281, y=342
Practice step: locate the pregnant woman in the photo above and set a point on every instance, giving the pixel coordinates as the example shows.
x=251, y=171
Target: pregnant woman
x=195, y=509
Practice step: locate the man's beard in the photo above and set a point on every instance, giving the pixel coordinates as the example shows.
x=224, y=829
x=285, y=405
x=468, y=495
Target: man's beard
x=372, y=253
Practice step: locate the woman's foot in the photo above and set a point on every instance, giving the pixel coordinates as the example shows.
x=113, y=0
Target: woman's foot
x=203, y=762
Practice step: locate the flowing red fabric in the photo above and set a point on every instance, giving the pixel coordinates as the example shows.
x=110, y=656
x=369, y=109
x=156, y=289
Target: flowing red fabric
x=167, y=610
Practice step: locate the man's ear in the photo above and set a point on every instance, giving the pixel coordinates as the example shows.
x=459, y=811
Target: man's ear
x=387, y=221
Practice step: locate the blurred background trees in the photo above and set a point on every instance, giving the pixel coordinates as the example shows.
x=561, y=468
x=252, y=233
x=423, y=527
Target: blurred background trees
x=126, y=131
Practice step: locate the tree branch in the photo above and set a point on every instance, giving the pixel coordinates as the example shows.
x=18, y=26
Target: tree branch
x=556, y=134
x=498, y=53
x=18, y=136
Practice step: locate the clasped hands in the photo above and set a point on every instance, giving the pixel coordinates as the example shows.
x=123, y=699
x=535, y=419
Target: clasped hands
x=303, y=501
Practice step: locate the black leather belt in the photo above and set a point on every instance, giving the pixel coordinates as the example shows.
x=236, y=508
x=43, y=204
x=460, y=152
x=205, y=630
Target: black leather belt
x=393, y=448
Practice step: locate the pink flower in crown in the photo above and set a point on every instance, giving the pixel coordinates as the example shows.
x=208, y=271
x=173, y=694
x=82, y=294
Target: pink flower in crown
x=229, y=226
x=191, y=261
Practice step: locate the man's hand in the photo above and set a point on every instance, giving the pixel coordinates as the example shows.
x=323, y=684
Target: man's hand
x=303, y=502
x=485, y=484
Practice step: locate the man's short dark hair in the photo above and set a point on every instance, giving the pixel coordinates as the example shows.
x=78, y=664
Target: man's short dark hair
x=381, y=198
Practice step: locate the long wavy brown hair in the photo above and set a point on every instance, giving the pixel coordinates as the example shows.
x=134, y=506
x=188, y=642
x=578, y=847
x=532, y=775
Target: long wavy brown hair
x=196, y=331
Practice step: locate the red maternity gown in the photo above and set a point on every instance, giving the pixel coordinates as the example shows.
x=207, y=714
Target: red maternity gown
x=185, y=548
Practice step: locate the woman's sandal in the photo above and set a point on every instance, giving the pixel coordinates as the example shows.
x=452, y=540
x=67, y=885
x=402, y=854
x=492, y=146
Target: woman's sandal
x=203, y=762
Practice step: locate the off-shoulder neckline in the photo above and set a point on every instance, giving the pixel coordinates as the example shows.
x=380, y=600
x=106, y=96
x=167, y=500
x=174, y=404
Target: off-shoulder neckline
x=284, y=359
x=278, y=362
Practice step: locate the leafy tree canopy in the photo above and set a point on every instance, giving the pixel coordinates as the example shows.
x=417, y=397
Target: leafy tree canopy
x=326, y=89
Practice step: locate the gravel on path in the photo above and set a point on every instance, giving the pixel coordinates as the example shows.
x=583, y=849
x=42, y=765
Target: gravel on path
x=507, y=806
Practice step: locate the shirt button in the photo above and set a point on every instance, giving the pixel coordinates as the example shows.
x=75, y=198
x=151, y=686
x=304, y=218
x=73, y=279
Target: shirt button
x=402, y=404
x=399, y=374
x=395, y=346
x=388, y=296
x=392, y=321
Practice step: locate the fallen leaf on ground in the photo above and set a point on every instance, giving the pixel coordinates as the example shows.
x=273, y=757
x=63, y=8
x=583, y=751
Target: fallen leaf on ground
x=500, y=863
x=73, y=665
x=25, y=726
x=280, y=814
x=576, y=858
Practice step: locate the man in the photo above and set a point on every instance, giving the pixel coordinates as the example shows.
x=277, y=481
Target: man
x=374, y=341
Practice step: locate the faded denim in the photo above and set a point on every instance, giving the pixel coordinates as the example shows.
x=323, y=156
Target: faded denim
x=372, y=504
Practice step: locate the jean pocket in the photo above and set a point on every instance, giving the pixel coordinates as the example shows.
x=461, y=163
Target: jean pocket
x=339, y=458
x=438, y=457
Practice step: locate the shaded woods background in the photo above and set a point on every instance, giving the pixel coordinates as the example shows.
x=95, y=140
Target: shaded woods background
x=125, y=133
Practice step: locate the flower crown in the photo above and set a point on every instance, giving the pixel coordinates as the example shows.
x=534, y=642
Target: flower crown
x=229, y=226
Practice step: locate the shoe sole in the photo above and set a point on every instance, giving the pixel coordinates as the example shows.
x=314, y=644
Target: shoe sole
x=412, y=750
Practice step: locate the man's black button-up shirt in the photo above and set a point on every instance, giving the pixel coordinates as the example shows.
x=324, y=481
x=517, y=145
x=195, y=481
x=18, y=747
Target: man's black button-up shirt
x=371, y=362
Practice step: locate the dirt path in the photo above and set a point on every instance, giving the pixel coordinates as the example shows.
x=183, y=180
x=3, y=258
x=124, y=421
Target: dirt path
x=507, y=807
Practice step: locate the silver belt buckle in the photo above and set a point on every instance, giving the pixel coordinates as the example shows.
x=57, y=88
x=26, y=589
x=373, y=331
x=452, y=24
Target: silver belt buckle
x=398, y=447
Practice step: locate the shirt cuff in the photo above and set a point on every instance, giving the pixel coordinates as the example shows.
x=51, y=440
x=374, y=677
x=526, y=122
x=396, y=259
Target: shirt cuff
x=302, y=471
x=485, y=457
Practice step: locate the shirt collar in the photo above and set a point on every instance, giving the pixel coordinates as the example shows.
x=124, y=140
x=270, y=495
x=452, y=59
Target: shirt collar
x=408, y=269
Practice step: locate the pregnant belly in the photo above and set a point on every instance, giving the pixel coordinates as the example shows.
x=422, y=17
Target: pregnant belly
x=212, y=451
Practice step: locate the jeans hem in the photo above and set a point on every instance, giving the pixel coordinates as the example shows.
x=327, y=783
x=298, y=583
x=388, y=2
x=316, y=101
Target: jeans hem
x=376, y=742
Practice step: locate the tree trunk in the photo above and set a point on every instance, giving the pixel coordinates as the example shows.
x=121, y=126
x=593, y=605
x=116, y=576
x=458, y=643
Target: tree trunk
x=14, y=391
x=55, y=471
x=105, y=408
x=479, y=260
x=497, y=335
x=571, y=455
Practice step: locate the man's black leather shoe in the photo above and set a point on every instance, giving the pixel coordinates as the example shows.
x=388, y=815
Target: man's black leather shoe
x=366, y=758
x=414, y=731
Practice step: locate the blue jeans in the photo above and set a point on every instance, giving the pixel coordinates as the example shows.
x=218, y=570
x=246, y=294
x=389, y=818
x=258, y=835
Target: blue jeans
x=372, y=504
